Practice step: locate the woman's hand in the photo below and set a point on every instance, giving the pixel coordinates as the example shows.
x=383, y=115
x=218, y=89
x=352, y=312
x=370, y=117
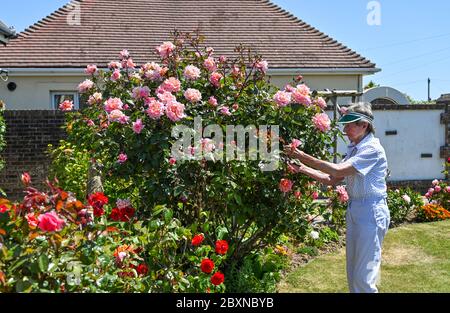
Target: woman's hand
x=294, y=168
x=293, y=153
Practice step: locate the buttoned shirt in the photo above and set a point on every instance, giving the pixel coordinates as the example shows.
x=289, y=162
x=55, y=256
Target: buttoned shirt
x=369, y=159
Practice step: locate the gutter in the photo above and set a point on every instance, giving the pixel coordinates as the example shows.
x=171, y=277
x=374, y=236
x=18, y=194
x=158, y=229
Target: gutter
x=271, y=71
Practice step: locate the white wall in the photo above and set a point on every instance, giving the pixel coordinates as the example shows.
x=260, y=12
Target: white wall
x=418, y=131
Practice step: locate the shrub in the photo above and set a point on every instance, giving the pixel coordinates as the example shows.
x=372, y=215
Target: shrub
x=2, y=138
x=431, y=212
x=439, y=193
x=127, y=128
x=402, y=203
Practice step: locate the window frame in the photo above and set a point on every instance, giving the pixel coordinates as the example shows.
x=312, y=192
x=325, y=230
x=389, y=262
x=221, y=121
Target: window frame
x=75, y=94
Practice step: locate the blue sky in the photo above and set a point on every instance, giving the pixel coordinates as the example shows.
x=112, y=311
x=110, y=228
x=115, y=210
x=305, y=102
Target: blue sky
x=410, y=44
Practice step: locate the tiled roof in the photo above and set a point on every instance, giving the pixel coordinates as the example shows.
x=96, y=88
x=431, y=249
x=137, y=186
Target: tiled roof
x=108, y=26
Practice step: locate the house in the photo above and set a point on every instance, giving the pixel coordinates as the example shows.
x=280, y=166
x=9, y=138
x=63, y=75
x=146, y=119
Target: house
x=6, y=33
x=47, y=61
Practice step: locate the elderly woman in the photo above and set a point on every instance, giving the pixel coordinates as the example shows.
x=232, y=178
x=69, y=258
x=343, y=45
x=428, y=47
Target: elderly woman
x=364, y=169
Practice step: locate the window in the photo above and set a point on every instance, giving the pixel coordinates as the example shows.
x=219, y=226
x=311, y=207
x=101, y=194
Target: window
x=58, y=97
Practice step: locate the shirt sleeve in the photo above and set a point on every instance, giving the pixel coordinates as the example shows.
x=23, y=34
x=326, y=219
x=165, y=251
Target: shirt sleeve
x=363, y=161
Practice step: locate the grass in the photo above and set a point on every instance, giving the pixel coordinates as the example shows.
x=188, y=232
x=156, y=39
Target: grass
x=416, y=258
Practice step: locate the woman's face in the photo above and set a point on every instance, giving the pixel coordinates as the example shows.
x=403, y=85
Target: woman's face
x=355, y=131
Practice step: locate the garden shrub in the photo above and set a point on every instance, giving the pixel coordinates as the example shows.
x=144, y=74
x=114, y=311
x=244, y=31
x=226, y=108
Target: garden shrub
x=402, y=204
x=432, y=212
x=2, y=139
x=127, y=128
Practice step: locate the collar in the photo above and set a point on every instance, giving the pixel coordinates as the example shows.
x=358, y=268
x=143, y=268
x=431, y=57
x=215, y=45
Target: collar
x=366, y=139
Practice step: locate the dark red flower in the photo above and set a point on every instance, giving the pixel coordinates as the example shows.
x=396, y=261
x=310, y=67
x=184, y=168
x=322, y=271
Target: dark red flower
x=217, y=278
x=142, y=269
x=98, y=211
x=127, y=213
x=207, y=266
x=115, y=214
x=221, y=247
x=197, y=240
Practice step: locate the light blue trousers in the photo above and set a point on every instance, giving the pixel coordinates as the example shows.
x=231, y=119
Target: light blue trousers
x=367, y=223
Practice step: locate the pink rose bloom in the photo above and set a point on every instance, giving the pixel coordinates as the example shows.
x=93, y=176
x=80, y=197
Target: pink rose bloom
x=212, y=101
x=447, y=189
x=67, y=105
x=207, y=145
x=172, y=161
x=210, y=64
x=297, y=194
x=114, y=65
x=151, y=71
x=192, y=72
x=225, y=111
x=50, y=222
x=303, y=90
x=165, y=49
x=435, y=182
x=32, y=220
x=406, y=198
x=235, y=106
x=431, y=191
x=122, y=158
x=322, y=122
x=124, y=54
x=116, y=75
x=91, y=69
x=301, y=98
x=86, y=85
x=138, y=126
x=128, y=63
x=427, y=195
x=171, y=85
x=95, y=98
x=26, y=178
x=282, y=98
x=222, y=59
x=210, y=50
x=175, y=111
x=113, y=104
x=262, y=66
x=166, y=97
x=90, y=123
x=315, y=195
x=289, y=88
x=437, y=188
x=140, y=92
x=193, y=95
x=320, y=102
x=235, y=71
x=295, y=143
x=155, y=109
x=342, y=193
x=286, y=185
x=215, y=78
x=118, y=116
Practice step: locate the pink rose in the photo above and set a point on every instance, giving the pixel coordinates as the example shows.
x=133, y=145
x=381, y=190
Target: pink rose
x=315, y=195
x=435, y=182
x=155, y=109
x=303, y=90
x=286, y=185
x=140, y=92
x=116, y=75
x=320, y=102
x=212, y=101
x=225, y=111
x=95, y=98
x=295, y=143
x=124, y=54
x=86, y=85
x=193, y=95
x=166, y=97
x=322, y=122
x=191, y=72
x=165, y=49
x=437, y=188
x=114, y=65
x=151, y=71
x=342, y=193
x=262, y=66
x=26, y=178
x=113, y=104
x=67, y=105
x=172, y=161
x=447, y=189
x=175, y=111
x=210, y=64
x=215, y=79
x=50, y=222
x=301, y=98
x=171, y=85
x=118, y=116
x=122, y=158
x=91, y=69
x=282, y=98
x=32, y=220
x=138, y=126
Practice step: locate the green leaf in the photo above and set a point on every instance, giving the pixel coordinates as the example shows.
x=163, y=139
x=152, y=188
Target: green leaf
x=43, y=263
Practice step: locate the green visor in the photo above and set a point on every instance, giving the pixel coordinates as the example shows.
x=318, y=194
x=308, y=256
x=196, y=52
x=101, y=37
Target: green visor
x=354, y=117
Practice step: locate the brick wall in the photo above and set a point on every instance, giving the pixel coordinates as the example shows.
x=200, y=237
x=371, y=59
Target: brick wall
x=28, y=134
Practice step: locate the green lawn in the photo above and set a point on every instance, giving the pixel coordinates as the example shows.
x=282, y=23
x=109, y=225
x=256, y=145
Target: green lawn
x=416, y=258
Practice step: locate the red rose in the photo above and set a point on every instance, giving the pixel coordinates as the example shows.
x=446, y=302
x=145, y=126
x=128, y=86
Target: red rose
x=142, y=269
x=221, y=247
x=98, y=211
x=26, y=178
x=127, y=213
x=98, y=200
x=197, y=240
x=207, y=266
x=115, y=215
x=217, y=278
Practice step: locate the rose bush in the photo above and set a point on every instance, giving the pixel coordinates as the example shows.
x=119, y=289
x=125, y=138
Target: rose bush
x=127, y=128
x=402, y=204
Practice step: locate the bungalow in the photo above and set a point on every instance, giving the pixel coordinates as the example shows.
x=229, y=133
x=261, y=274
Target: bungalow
x=46, y=62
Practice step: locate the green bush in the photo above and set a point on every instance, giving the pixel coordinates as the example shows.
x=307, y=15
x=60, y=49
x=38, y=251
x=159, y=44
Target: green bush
x=402, y=204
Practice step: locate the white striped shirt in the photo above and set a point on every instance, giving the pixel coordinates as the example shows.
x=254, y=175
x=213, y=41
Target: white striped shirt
x=369, y=159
